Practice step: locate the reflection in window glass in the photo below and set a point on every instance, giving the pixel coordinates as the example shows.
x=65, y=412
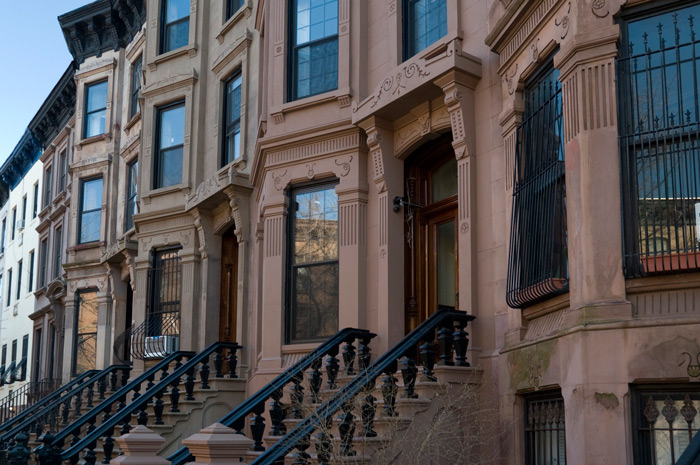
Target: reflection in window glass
x=85, y=348
x=425, y=21
x=315, y=47
x=90, y=210
x=171, y=137
x=444, y=180
x=232, y=120
x=132, y=190
x=176, y=24
x=95, y=109
x=314, y=265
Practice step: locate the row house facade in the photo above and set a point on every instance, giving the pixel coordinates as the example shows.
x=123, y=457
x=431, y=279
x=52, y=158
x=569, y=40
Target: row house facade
x=20, y=181
x=269, y=172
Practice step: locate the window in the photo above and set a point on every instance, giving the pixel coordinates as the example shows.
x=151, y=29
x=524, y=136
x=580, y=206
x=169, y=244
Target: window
x=24, y=211
x=232, y=6
x=4, y=233
x=30, y=284
x=232, y=120
x=14, y=223
x=25, y=352
x=85, y=346
x=90, y=210
x=35, y=209
x=659, y=137
x=171, y=138
x=19, y=280
x=176, y=25
x=164, y=292
x=47, y=186
x=132, y=191
x=425, y=22
x=64, y=171
x=4, y=356
x=136, y=69
x=58, y=255
x=538, y=262
x=313, y=264
x=665, y=418
x=95, y=109
x=314, y=51
x=545, y=434
x=44, y=257
x=8, y=299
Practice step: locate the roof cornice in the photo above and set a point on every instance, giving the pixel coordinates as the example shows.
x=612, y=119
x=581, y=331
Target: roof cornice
x=56, y=110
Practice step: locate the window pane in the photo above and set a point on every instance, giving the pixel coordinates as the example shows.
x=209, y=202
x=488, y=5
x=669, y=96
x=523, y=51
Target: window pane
x=95, y=124
x=92, y=194
x=317, y=68
x=316, y=301
x=446, y=262
x=315, y=20
x=86, y=332
x=97, y=96
x=172, y=126
x=425, y=22
x=90, y=226
x=444, y=180
x=316, y=226
x=177, y=9
x=171, y=167
x=177, y=35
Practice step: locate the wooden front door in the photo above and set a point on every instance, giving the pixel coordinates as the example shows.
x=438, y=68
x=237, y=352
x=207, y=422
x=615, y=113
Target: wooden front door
x=229, y=287
x=430, y=208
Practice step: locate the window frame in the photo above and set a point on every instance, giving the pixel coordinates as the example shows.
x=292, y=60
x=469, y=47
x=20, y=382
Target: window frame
x=30, y=283
x=24, y=211
x=4, y=233
x=157, y=159
x=162, y=46
x=290, y=293
x=8, y=301
x=81, y=211
x=131, y=197
x=44, y=261
x=408, y=38
x=35, y=205
x=231, y=128
x=292, y=71
x=136, y=70
x=58, y=251
x=87, y=114
x=231, y=9
x=14, y=223
x=63, y=170
x=48, y=172
x=20, y=264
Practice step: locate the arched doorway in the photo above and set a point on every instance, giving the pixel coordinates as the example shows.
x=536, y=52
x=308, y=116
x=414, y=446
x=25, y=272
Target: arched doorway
x=229, y=286
x=430, y=209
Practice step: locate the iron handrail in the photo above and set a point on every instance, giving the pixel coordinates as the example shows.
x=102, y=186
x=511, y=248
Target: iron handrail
x=239, y=414
x=127, y=410
x=30, y=389
x=58, y=397
x=277, y=451
x=78, y=423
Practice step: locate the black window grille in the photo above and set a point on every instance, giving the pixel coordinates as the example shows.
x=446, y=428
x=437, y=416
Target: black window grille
x=538, y=261
x=313, y=264
x=424, y=22
x=314, y=47
x=659, y=136
x=136, y=70
x=545, y=433
x=164, y=293
x=665, y=419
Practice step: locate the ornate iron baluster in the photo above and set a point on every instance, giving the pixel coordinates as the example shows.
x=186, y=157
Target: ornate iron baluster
x=125, y=377
x=369, y=410
x=20, y=453
x=142, y=417
x=126, y=425
x=158, y=408
x=389, y=390
x=302, y=457
x=89, y=395
x=113, y=378
x=108, y=441
x=332, y=367
x=445, y=344
x=461, y=342
x=296, y=396
x=315, y=380
x=232, y=361
x=277, y=414
x=349, y=356
x=204, y=373
x=409, y=372
x=218, y=363
x=174, y=395
x=65, y=412
x=257, y=427
x=365, y=353
x=324, y=438
x=189, y=384
x=427, y=355
x=347, y=428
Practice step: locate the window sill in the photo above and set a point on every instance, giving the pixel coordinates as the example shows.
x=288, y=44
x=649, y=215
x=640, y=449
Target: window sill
x=342, y=96
x=300, y=347
x=245, y=10
x=162, y=191
x=134, y=119
x=190, y=50
x=86, y=246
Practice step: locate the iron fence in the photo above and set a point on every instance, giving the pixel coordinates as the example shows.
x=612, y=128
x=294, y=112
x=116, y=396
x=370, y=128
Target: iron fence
x=545, y=434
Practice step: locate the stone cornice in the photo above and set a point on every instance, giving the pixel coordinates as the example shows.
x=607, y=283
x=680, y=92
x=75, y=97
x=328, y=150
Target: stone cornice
x=25, y=153
x=57, y=109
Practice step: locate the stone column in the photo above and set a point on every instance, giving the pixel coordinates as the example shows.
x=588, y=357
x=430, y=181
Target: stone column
x=209, y=247
x=191, y=300
x=118, y=290
x=597, y=283
x=140, y=447
x=389, y=258
x=104, y=329
x=218, y=444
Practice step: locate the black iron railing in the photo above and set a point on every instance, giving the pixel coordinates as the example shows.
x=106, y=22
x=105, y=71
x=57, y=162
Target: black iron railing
x=445, y=326
x=156, y=337
x=23, y=398
x=55, y=412
x=85, y=433
x=254, y=406
x=658, y=74
x=538, y=261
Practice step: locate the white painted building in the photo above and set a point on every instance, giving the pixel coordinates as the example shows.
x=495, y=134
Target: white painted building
x=21, y=190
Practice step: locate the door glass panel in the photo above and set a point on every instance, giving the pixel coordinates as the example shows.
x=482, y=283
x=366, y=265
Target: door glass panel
x=446, y=259
x=444, y=180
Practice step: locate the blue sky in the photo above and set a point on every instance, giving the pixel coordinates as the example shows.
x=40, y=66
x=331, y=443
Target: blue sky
x=33, y=59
